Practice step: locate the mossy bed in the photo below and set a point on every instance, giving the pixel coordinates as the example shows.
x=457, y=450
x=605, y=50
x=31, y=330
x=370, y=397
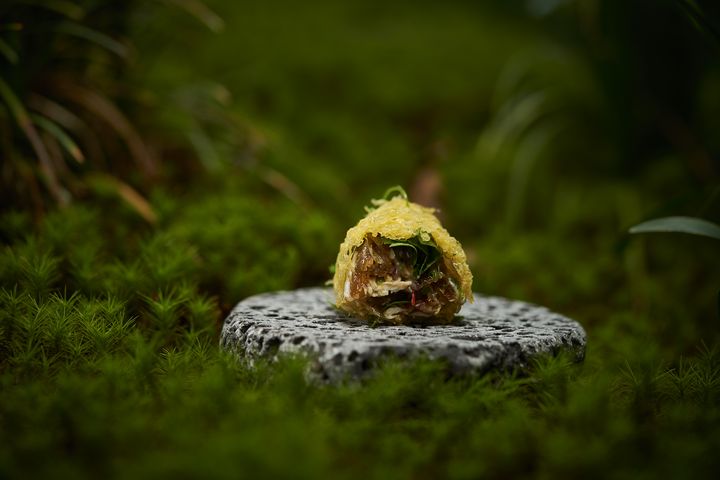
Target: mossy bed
x=111, y=366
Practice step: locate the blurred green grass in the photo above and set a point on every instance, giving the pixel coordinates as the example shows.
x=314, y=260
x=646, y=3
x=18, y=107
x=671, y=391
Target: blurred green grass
x=273, y=133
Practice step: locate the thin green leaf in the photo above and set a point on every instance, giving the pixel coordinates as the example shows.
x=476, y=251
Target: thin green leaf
x=689, y=225
x=100, y=39
x=124, y=191
x=425, y=249
x=529, y=151
x=106, y=110
x=13, y=104
x=8, y=52
x=700, y=19
x=426, y=239
x=376, y=202
x=396, y=189
x=402, y=244
x=204, y=147
x=17, y=110
x=426, y=266
x=59, y=114
x=396, y=244
x=60, y=135
x=284, y=185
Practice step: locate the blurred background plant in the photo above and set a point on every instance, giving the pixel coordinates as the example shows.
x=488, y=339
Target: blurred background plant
x=60, y=71
x=77, y=123
x=162, y=160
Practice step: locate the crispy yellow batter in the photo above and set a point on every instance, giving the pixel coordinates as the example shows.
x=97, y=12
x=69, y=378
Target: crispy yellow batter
x=400, y=219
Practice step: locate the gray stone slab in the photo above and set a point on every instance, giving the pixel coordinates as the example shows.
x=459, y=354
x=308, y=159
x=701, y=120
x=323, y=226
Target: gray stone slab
x=492, y=333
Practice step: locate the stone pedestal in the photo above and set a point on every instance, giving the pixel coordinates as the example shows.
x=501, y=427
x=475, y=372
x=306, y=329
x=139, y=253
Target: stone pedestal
x=492, y=333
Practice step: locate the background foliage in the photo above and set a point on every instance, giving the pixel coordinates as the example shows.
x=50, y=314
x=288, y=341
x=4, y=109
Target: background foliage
x=163, y=160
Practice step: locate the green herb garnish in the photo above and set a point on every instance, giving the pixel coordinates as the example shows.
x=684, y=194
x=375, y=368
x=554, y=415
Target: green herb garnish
x=397, y=190
x=425, y=251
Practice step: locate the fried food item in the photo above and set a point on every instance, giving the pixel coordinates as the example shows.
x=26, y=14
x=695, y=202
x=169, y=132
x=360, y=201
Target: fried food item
x=399, y=265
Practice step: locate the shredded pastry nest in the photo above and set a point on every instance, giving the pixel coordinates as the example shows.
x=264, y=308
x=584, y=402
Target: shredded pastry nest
x=400, y=219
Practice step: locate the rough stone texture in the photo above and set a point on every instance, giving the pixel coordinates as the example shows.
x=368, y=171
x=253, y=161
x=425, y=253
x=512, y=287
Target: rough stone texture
x=492, y=333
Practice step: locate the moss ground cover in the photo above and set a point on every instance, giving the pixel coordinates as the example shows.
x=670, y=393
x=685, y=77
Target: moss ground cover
x=109, y=358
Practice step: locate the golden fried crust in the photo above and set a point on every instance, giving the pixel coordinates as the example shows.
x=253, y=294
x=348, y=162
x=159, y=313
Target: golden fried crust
x=400, y=219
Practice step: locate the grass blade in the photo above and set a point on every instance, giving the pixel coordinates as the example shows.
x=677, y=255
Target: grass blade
x=128, y=194
x=8, y=52
x=700, y=20
x=284, y=185
x=13, y=104
x=689, y=225
x=98, y=38
x=17, y=110
x=106, y=110
x=60, y=135
x=88, y=139
x=54, y=111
